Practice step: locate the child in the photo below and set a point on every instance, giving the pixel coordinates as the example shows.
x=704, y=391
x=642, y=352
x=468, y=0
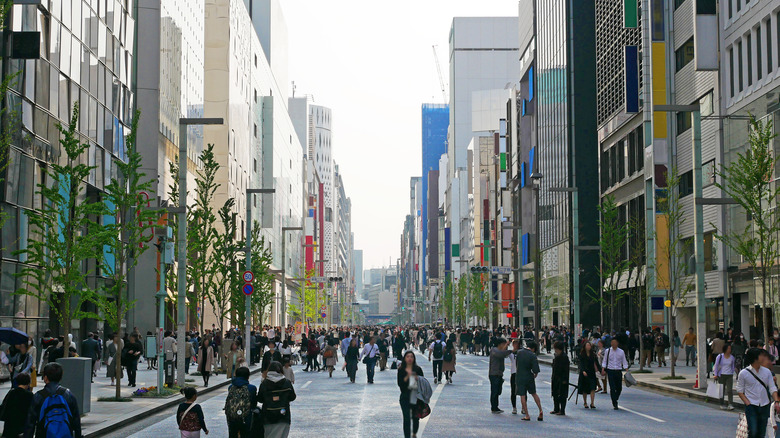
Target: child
x=190, y=415
x=15, y=406
x=288, y=371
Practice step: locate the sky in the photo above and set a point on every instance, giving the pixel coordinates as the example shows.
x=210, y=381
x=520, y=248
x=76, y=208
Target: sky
x=372, y=64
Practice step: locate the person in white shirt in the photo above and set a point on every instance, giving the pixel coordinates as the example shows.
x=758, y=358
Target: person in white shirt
x=370, y=353
x=613, y=365
x=724, y=375
x=756, y=388
x=437, y=349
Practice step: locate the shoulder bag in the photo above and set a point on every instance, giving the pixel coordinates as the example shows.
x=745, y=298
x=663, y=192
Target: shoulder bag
x=768, y=394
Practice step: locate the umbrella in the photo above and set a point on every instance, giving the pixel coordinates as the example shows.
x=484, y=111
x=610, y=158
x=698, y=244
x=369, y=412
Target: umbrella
x=13, y=336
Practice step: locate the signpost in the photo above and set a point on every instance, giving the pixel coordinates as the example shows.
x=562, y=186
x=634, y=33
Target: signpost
x=323, y=314
x=248, y=276
x=248, y=289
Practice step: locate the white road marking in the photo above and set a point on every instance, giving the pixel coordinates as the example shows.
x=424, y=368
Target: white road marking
x=642, y=415
x=432, y=404
x=544, y=381
x=306, y=384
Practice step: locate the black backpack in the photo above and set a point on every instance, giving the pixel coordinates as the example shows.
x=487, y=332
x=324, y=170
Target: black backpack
x=448, y=355
x=437, y=350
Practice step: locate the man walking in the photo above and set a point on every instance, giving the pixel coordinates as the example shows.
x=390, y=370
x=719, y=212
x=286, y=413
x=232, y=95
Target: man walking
x=383, y=351
x=527, y=370
x=496, y=372
x=54, y=410
x=689, y=341
x=756, y=388
x=90, y=349
x=370, y=353
x=437, y=349
x=614, y=363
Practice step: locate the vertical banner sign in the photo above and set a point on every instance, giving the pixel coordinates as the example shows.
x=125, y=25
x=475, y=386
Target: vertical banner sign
x=705, y=36
x=630, y=15
x=632, y=79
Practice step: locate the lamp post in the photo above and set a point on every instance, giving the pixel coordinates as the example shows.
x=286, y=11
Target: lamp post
x=284, y=278
x=248, y=304
x=536, y=177
x=181, y=314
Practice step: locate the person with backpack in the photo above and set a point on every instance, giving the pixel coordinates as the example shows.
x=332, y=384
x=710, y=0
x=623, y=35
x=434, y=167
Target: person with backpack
x=448, y=362
x=437, y=349
x=276, y=393
x=54, y=412
x=189, y=416
x=240, y=402
x=660, y=349
x=384, y=349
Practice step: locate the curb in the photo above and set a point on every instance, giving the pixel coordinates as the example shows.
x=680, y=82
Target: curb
x=665, y=388
x=173, y=401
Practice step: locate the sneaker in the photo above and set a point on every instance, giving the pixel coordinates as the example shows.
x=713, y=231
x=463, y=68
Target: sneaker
x=514, y=411
x=723, y=407
x=497, y=411
x=730, y=407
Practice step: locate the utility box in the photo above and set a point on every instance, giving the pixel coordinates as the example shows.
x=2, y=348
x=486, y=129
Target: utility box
x=170, y=372
x=77, y=377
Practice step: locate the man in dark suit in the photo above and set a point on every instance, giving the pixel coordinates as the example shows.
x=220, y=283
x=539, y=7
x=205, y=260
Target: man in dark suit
x=90, y=348
x=527, y=370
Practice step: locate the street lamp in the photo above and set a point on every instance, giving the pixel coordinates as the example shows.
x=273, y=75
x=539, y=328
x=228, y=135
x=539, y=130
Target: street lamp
x=184, y=123
x=284, y=278
x=536, y=177
x=248, y=311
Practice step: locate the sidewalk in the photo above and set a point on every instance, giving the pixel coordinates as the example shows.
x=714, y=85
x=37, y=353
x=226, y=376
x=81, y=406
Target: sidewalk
x=108, y=416
x=654, y=380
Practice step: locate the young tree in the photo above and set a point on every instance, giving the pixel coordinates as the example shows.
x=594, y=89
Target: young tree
x=613, y=236
x=638, y=273
x=478, y=297
x=127, y=225
x=64, y=236
x=307, y=297
x=749, y=181
x=201, y=228
x=223, y=264
x=675, y=250
x=263, y=282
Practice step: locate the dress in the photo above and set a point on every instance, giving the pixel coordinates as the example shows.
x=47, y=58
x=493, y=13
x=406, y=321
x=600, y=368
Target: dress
x=110, y=365
x=449, y=366
x=589, y=364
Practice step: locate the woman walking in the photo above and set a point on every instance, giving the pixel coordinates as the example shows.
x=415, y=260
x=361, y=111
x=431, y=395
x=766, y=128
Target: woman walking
x=600, y=355
x=189, y=416
x=738, y=348
x=353, y=353
x=560, y=379
x=331, y=356
x=205, y=360
x=276, y=393
x=448, y=363
x=724, y=374
x=130, y=355
x=408, y=372
x=233, y=359
x=111, y=349
x=676, y=343
x=590, y=368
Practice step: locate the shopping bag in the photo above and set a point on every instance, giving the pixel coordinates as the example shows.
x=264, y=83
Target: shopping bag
x=714, y=389
x=742, y=427
x=629, y=378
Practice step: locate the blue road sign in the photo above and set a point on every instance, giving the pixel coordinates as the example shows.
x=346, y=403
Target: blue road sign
x=248, y=289
x=323, y=314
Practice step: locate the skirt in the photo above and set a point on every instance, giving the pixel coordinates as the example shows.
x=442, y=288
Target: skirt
x=190, y=434
x=585, y=385
x=278, y=430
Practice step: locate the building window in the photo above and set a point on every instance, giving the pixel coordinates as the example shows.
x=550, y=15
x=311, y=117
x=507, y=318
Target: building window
x=731, y=71
x=686, y=184
x=768, y=38
x=255, y=130
x=684, y=55
x=750, y=60
x=739, y=5
x=740, y=78
x=758, y=53
x=683, y=122
x=731, y=8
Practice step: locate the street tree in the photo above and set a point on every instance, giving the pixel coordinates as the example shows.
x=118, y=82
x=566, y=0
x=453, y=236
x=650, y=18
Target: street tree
x=478, y=297
x=638, y=274
x=222, y=265
x=749, y=181
x=307, y=297
x=64, y=236
x=129, y=226
x=262, y=296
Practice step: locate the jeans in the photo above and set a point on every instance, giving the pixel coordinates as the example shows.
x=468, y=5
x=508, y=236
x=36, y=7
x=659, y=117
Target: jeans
x=496, y=383
x=757, y=417
x=370, y=365
x=437, y=369
x=645, y=356
x=615, y=378
x=411, y=423
x=690, y=353
x=513, y=394
x=186, y=365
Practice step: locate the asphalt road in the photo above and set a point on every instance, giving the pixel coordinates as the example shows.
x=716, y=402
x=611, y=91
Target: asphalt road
x=334, y=407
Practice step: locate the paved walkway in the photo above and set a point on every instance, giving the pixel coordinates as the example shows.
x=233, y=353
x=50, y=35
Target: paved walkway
x=107, y=416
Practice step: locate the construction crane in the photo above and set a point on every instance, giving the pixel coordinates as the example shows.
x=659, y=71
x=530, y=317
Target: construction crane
x=441, y=78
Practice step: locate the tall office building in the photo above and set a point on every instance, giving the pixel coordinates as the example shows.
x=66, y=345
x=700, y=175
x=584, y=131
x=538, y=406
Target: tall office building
x=86, y=58
x=483, y=56
x=435, y=121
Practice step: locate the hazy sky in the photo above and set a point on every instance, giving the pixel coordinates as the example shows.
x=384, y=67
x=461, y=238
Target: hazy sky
x=372, y=64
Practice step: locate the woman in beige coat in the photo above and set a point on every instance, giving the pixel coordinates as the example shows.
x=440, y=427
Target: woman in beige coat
x=205, y=360
x=233, y=359
x=448, y=366
x=331, y=356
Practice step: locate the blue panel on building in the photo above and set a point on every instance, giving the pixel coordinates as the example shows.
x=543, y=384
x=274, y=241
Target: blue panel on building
x=523, y=175
x=447, y=249
x=531, y=83
x=656, y=303
x=435, y=122
x=525, y=249
x=632, y=79
x=109, y=260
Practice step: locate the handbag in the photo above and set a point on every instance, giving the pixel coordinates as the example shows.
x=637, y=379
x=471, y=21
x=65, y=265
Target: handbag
x=421, y=409
x=742, y=427
x=629, y=378
x=714, y=389
x=327, y=354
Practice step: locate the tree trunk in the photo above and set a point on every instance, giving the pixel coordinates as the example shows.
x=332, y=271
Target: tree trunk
x=118, y=364
x=670, y=334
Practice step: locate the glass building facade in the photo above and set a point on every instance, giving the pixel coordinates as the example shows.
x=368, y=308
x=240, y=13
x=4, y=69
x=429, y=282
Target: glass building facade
x=86, y=58
x=435, y=121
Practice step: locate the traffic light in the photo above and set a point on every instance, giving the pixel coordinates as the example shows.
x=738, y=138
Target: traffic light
x=480, y=269
x=511, y=307
x=335, y=279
